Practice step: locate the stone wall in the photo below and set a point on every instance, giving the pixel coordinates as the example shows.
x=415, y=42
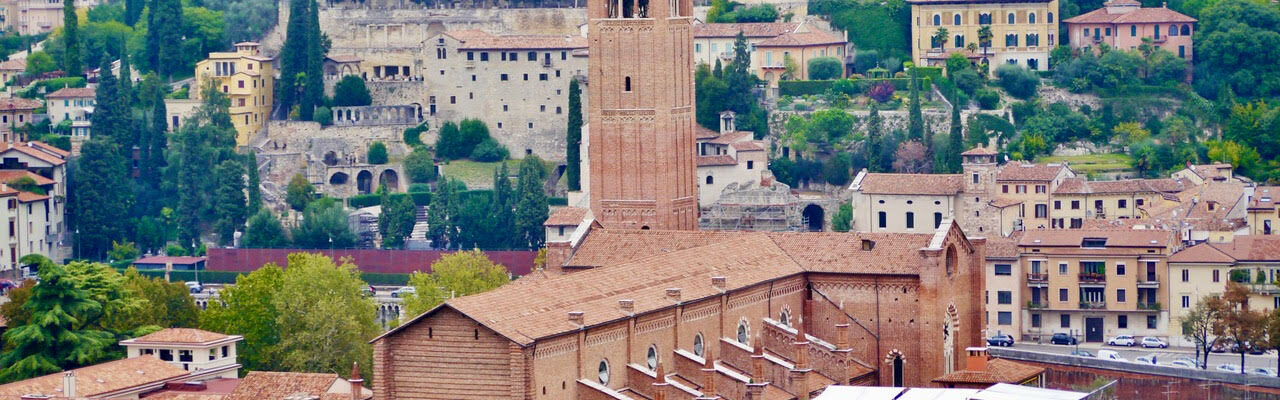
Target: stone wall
x=935, y=120
x=303, y=147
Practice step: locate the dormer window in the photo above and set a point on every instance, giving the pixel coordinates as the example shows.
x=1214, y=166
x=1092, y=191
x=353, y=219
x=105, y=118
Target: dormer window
x=1096, y=243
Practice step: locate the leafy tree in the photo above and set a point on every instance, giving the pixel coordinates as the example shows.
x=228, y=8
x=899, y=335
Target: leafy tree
x=126, y=251
x=253, y=18
x=987, y=99
x=836, y=171
x=299, y=192
x=377, y=153
x=939, y=39
x=351, y=91
x=164, y=40
x=165, y=304
x=1243, y=325
x=823, y=68
x=984, y=37
x=502, y=212
x=26, y=184
x=396, y=221
x=456, y=274
x=40, y=62
x=293, y=56
x=843, y=219
x=489, y=150
x=531, y=208
x=1237, y=41
x=830, y=125
x=420, y=166
x=133, y=11
x=1198, y=326
x=1257, y=125
x=230, y=204
x=413, y=136
x=879, y=158
x=71, y=62
x=155, y=143
x=880, y=26
x=573, y=144
x=324, y=226
x=325, y=320
x=449, y=144
x=912, y=158
x=880, y=92
x=55, y=338
x=314, y=74
x=915, y=122
x=264, y=231
x=111, y=114
x=955, y=143
x=101, y=196
x=1018, y=81
x=249, y=309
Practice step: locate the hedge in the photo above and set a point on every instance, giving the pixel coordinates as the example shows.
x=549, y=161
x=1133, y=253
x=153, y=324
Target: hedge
x=370, y=200
x=801, y=88
x=205, y=276
x=928, y=72
x=385, y=279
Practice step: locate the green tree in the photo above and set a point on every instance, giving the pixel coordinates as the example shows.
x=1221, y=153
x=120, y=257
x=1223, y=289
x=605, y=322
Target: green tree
x=1018, y=81
x=14, y=311
x=55, y=337
x=351, y=91
x=133, y=11
x=413, y=136
x=314, y=74
x=264, y=231
x=249, y=309
x=377, y=153
x=878, y=154
x=502, y=214
x=111, y=113
x=101, y=197
x=325, y=320
x=1198, y=326
x=531, y=208
x=165, y=304
x=420, y=166
x=293, y=56
x=823, y=68
x=255, y=182
x=843, y=220
x=1239, y=322
x=299, y=192
x=230, y=204
x=444, y=205
x=164, y=37
x=156, y=141
x=1236, y=43
x=395, y=223
x=573, y=144
x=836, y=169
x=126, y=251
x=453, y=275
x=40, y=62
x=984, y=37
x=71, y=62
x=449, y=144
x=955, y=143
x=830, y=125
x=324, y=226
x=915, y=122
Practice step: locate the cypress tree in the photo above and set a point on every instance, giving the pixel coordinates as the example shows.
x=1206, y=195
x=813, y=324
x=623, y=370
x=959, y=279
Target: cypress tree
x=110, y=113
x=102, y=196
x=531, y=208
x=874, y=139
x=230, y=205
x=169, y=16
x=255, y=182
x=71, y=63
x=293, y=55
x=152, y=51
x=955, y=142
x=915, y=129
x=133, y=11
x=313, y=87
x=573, y=158
x=126, y=78
x=502, y=214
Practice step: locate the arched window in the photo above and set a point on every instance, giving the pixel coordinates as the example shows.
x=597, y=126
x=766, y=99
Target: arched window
x=959, y=41
x=710, y=180
x=784, y=317
x=604, y=372
x=984, y=19
x=898, y=371
x=1031, y=18
x=1186, y=30
x=1133, y=30
x=744, y=332
x=1049, y=18
x=1173, y=30
x=697, y=345
x=1011, y=19
x=937, y=19
x=951, y=260
x=651, y=358
x=626, y=84
x=956, y=20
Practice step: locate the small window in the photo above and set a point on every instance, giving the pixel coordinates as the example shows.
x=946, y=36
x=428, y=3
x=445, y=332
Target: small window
x=1216, y=276
x=1004, y=270
x=1122, y=322
x=1186, y=301
x=1151, y=322
x=1062, y=269
x=751, y=164
x=1066, y=321
x=1004, y=318
x=883, y=219
x=1035, y=320
x=1120, y=296
x=604, y=372
x=911, y=220
x=1062, y=294
x=1004, y=297
x=743, y=332
x=1011, y=19
x=626, y=84
x=784, y=317
x=502, y=77
x=1122, y=203
x=1119, y=269
x=1075, y=204
x=1186, y=276
x=710, y=180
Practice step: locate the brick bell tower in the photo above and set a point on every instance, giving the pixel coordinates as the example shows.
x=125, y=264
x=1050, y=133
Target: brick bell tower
x=641, y=139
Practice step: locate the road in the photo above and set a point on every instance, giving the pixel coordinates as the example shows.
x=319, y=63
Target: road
x=1163, y=356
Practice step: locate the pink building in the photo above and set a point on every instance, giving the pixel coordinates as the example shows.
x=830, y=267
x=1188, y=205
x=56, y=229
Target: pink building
x=1122, y=24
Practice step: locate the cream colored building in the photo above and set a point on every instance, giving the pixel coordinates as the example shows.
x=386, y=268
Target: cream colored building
x=1077, y=199
x=248, y=79
x=1095, y=283
x=1198, y=174
x=35, y=220
x=771, y=45
x=1006, y=308
x=1204, y=270
x=1264, y=214
x=729, y=158
x=192, y=349
x=904, y=202
x=1023, y=31
x=178, y=110
x=1023, y=194
x=1215, y=211
x=70, y=104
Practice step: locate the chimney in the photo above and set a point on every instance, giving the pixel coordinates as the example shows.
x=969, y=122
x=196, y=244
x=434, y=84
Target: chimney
x=709, y=374
x=673, y=294
x=660, y=384
x=69, y=384
x=757, y=359
x=628, y=306
x=357, y=384
x=842, y=336
x=801, y=346
x=575, y=317
x=977, y=359
x=720, y=283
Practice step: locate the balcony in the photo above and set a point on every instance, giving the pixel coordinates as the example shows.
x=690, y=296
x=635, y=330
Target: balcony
x=1264, y=288
x=1155, y=306
x=1037, y=280
x=1149, y=282
x=1092, y=278
x=1093, y=305
x=1031, y=305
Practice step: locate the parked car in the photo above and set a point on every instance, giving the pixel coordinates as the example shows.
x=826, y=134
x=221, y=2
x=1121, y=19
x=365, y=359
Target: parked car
x=1062, y=338
x=1194, y=362
x=1121, y=340
x=1150, y=342
x=1183, y=363
x=401, y=292
x=1263, y=371
x=1232, y=368
x=1000, y=340
x=1146, y=360
x=1220, y=347
x=1110, y=355
x=1082, y=353
x=195, y=287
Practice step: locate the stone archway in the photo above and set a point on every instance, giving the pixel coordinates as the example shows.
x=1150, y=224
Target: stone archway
x=814, y=217
x=364, y=182
x=339, y=178
x=331, y=158
x=391, y=179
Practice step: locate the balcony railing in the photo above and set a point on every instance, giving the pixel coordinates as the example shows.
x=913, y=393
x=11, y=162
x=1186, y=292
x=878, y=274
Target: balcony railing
x=1264, y=288
x=1037, y=278
x=1148, y=282
x=1149, y=306
x=1093, y=305
x=1092, y=277
x=1031, y=305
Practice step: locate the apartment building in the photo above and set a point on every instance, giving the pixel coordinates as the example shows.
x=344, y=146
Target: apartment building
x=1204, y=270
x=1022, y=31
x=31, y=17
x=1095, y=283
x=1263, y=213
x=191, y=349
x=918, y=202
x=1124, y=24
x=1024, y=192
x=1005, y=306
x=16, y=112
x=1078, y=199
x=248, y=79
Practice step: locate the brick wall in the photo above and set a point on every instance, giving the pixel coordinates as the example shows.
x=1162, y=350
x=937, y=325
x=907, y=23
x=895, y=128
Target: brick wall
x=448, y=355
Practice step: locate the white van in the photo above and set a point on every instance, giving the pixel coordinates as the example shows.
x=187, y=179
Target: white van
x=1110, y=355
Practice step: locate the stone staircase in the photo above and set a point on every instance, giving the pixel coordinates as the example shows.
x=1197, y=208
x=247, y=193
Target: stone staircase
x=417, y=239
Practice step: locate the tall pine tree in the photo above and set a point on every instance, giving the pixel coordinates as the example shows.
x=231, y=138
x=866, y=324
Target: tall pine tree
x=126, y=76
x=133, y=11
x=573, y=144
x=230, y=206
x=111, y=112
x=71, y=62
x=293, y=56
x=313, y=89
x=165, y=37
x=503, y=212
x=54, y=338
x=875, y=140
x=102, y=196
x=955, y=142
x=915, y=124
x=255, y=182
x=531, y=209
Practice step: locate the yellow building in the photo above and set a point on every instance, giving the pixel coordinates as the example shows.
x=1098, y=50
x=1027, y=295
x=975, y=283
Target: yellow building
x=1022, y=31
x=1204, y=270
x=247, y=78
x=800, y=48
x=1264, y=214
x=1078, y=199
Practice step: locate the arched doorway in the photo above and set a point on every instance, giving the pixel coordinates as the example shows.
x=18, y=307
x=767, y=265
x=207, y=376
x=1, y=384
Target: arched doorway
x=364, y=182
x=813, y=217
x=340, y=178
x=390, y=179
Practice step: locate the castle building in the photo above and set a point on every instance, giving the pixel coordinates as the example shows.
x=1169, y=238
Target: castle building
x=1124, y=24
x=1022, y=31
x=641, y=114
x=247, y=78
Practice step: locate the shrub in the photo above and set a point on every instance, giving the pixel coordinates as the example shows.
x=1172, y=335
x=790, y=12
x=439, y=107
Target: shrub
x=420, y=166
x=847, y=87
x=1018, y=81
x=881, y=91
x=419, y=188
x=323, y=115
x=377, y=153
x=824, y=68
x=967, y=80
x=987, y=99
x=489, y=151
x=413, y=135
x=351, y=91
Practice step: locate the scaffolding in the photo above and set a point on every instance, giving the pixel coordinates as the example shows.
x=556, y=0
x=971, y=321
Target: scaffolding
x=770, y=208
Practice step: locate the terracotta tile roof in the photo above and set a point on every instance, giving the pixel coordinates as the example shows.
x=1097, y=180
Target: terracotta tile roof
x=27, y=197
x=1021, y=171
x=186, y=396
x=473, y=39
x=1115, y=237
x=1264, y=198
x=751, y=30
x=13, y=65
x=10, y=175
x=731, y=137
x=748, y=146
x=891, y=253
x=711, y=161
x=566, y=216
x=1003, y=202
x=1201, y=253
x=262, y=385
x=606, y=246
x=704, y=133
x=1252, y=248
x=1209, y=171
x=797, y=39
x=998, y=371
x=1003, y=247
x=71, y=93
x=1084, y=186
x=979, y=151
x=180, y=336
x=1193, y=205
x=18, y=103
x=101, y=378
x=928, y=184
x=1144, y=15
x=34, y=150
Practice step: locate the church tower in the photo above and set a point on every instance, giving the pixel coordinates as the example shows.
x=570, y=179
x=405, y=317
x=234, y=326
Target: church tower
x=642, y=169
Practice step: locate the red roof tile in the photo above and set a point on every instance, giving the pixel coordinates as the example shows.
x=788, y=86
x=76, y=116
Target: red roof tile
x=10, y=175
x=34, y=150
x=731, y=137
x=979, y=151
x=566, y=216
x=1115, y=237
x=1201, y=253
x=998, y=371
x=1003, y=247
x=927, y=184
x=13, y=65
x=262, y=385
x=1264, y=198
x=181, y=336
x=1021, y=171
x=798, y=39
x=70, y=93
x=711, y=161
x=748, y=146
x=1146, y=15
x=18, y=103
x=101, y=378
